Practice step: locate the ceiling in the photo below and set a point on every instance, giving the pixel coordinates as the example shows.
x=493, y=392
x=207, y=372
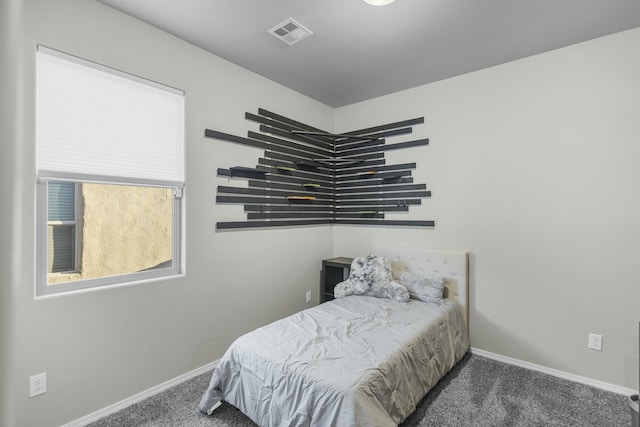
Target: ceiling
x=358, y=51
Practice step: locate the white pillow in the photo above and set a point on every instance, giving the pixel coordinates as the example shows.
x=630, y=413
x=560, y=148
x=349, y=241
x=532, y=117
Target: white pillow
x=423, y=287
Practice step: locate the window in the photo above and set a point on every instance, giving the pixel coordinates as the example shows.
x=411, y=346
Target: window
x=110, y=176
x=62, y=228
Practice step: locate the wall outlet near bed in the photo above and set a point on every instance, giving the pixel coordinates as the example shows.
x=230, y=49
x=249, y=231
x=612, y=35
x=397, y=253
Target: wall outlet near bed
x=308, y=297
x=37, y=384
x=595, y=342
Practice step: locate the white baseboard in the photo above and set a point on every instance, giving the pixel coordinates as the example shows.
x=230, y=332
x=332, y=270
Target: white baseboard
x=95, y=416
x=554, y=372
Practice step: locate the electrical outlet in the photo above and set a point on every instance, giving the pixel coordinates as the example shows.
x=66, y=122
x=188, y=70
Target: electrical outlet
x=37, y=384
x=308, y=297
x=595, y=342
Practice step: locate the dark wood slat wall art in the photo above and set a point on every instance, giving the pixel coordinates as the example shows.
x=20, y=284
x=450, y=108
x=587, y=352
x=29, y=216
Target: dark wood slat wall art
x=308, y=176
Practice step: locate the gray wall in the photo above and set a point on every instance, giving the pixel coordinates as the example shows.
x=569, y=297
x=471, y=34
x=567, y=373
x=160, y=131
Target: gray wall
x=532, y=166
x=101, y=347
x=10, y=102
x=534, y=170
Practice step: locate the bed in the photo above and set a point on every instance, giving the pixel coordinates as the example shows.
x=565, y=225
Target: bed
x=354, y=361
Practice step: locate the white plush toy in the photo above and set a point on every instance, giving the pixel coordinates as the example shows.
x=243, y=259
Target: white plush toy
x=371, y=275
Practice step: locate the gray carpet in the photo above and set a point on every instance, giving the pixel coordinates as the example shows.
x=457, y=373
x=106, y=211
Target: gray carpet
x=477, y=392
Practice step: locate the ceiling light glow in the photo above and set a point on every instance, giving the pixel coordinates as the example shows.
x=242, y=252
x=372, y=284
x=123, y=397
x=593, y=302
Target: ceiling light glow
x=379, y=2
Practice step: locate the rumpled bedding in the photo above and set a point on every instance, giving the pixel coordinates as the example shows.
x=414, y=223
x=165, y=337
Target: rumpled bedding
x=353, y=361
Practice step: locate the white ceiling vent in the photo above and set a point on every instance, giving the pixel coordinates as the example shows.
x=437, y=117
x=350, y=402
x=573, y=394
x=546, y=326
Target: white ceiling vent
x=290, y=31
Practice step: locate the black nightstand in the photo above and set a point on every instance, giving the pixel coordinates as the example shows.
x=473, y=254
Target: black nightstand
x=334, y=271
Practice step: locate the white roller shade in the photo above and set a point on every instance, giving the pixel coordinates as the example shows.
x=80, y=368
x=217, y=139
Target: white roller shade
x=95, y=121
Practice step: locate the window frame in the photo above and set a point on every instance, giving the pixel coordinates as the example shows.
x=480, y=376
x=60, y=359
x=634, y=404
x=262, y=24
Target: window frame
x=159, y=173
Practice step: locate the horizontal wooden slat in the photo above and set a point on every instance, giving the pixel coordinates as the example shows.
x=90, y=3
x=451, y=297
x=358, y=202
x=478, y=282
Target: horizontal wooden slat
x=298, y=223
x=379, y=168
x=275, y=175
x=379, y=202
x=328, y=146
x=300, y=175
x=387, y=147
x=288, y=215
x=358, y=215
x=368, y=164
x=381, y=189
x=290, y=158
x=336, y=137
x=376, y=143
x=312, y=215
x=278, y=144
x=395, y=125
x=242, y=173
x=408, y=223
x=259, y=144
x=258, y=224
x=264, y=192
x=326, y=143
x=377, y=155
x=292, y=179
x=367, y=182
x=406, y=194
x=291, y=187
x=288, y=208
x=270, y=200
x=323, y=172
x=343, y=143
x=285, y=148
x=302, y=126
x=360, y=151
x=383, y=175
x=376, y=208
x=344, y=161
x=214, y=134
x=407, y=144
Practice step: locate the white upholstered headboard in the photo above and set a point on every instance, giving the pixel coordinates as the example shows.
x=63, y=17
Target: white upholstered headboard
x=451, y=264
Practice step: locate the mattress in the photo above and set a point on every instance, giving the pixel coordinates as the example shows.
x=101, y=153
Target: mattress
x=353, y=361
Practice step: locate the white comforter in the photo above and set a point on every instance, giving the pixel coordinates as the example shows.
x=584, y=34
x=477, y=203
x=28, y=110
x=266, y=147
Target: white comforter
x=354, y=361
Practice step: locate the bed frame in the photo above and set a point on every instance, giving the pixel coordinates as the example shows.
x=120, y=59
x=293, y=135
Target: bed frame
x=453, y=265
